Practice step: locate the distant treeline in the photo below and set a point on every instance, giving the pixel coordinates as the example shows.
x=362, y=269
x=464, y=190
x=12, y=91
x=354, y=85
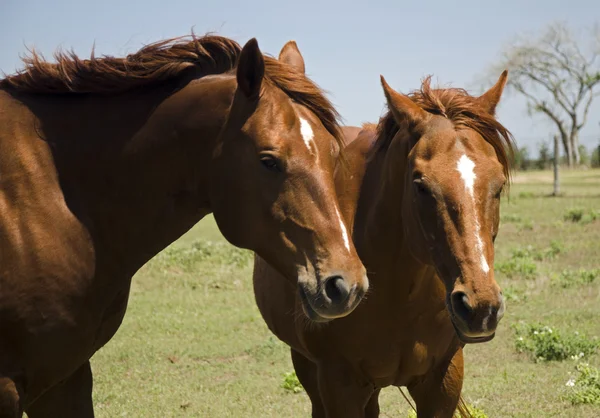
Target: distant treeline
x=545, y=158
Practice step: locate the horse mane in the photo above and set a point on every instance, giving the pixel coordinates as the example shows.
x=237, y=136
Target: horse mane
x=463, y=110
x=159, y=62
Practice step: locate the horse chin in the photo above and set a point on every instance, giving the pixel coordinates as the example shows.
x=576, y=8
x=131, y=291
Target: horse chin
x=308, y=310
x=471, y=340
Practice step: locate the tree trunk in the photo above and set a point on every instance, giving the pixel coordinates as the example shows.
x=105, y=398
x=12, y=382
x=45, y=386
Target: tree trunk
x=567, y=147
x=575, y=148
x=569, y=152
x=556, y=191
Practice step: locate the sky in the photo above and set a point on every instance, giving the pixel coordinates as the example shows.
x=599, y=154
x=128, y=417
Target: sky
x=346, y=45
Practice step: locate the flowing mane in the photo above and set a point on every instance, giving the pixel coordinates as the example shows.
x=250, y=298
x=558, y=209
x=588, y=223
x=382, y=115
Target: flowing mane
x=462, y=109
x=159, y=62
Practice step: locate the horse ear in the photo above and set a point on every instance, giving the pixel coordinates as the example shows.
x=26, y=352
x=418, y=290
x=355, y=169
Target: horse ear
x=489, y=100
x=402, y=107
x=290, y=54
x=250, y=69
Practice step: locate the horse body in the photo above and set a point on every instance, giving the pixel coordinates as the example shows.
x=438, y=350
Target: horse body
x=404, y=333
x=96, y=180
x=74, y=240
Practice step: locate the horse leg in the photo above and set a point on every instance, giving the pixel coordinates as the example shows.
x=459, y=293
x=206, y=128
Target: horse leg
x=343, y=393
x=10, y=403
x=438, y=393
x=72, y=398
x=306, y=371
x=372, y=408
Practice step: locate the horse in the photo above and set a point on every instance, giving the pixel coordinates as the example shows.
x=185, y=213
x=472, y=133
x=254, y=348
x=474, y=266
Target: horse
x=422, y=193
x=106, y=161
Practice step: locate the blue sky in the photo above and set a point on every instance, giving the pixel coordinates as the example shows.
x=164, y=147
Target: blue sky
x=346, y=45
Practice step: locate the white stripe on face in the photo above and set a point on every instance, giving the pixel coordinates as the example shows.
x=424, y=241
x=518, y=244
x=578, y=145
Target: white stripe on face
x=344, y=230
x=307, y=133
x=465, y=167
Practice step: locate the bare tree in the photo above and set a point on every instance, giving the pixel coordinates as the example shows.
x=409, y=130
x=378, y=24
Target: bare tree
x=558, y=79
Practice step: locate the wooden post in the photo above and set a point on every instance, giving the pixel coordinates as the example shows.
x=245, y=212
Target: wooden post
x=556, y=163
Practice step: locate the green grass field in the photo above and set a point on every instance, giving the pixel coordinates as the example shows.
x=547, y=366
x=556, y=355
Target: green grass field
x=193, y=343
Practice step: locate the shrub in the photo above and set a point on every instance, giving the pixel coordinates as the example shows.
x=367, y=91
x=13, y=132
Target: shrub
x=522, y=260
x=545, y=344
x=291, y=382
x=574, y=215
x=520, y=264
x=585, y=388
x=571, y=278
x=526, y=195
x=527, y=225
x=512, y=294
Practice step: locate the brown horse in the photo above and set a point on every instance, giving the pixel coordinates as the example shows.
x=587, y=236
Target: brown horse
x=423, y=196
x=104, y=162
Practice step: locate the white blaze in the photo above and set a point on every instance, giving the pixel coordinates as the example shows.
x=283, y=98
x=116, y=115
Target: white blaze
x=307, y=133
x=344, y=231
x=466, y=167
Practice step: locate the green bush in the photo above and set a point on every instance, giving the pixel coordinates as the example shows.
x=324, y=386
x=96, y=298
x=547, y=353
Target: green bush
x=526, y=195
x=571, y=278
x=518, y=267
x=574, y=215
x=522, y=262
x=585, y=388
x=291, y=383
x=543, y=343
x=512, y=294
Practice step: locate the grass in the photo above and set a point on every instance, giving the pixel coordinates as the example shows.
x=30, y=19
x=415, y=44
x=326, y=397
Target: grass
x=194, y=345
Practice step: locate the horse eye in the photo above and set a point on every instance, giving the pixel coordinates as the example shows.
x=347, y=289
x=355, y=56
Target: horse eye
x=270, y=163
x=421, y=188
x=498, y=194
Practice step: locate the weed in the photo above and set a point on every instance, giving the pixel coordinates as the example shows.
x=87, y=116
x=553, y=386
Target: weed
x=510, y=218
x=526, y=226
x=526, y=195
x=512, y=294
x=585, y=388
x=518, y=266
x=291, y=382
x=572, y=278
x=522, y=262
x=574, y=215
x=545, y=344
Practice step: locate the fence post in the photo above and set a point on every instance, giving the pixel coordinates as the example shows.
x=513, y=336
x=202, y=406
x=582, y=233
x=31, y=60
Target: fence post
x=556, y=162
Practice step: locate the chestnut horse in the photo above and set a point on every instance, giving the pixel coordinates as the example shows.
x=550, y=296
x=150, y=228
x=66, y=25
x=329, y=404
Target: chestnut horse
x=105, y=162
x=423, y=197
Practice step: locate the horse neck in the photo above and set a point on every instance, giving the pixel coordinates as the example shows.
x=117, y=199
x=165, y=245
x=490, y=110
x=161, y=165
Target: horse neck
x=140, y=177
x=385, y=249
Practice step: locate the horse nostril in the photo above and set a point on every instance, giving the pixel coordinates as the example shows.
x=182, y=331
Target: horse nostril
x=460, y=305
x=500, y=312
x=336, y=289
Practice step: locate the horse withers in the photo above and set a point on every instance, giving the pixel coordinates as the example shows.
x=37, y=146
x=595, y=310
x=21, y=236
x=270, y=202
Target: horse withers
x=422, y=194
x=104, y=162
